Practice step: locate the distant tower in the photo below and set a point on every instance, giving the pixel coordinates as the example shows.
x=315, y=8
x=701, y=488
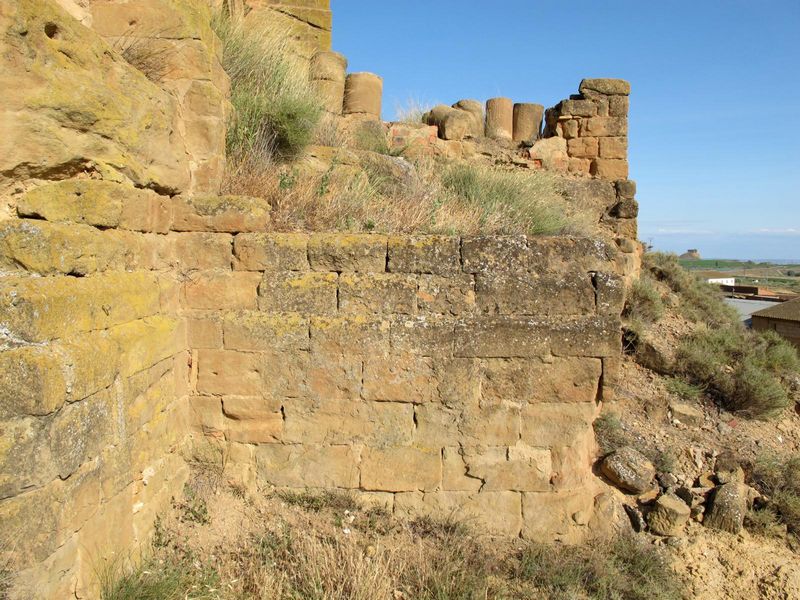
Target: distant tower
x=691, y=254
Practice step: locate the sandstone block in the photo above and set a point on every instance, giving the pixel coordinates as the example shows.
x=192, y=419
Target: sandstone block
x=509, y=337
x=494, y=253
x=583, y=147
x=604, y=127
x=424, y=335
x=728, y=508
x=226, y=372
x=577, y=108
x=343, y=421
x=32, y=382
x=626, y=189
x=25, y=459
x=290, y=291
x=363, y=94
x=307, y=466
x=500, y=118
x=618, y=106
x=499, y=513
x=401, y=469
x=60, y=248
x=527, y=122
x=625, y=209
x=475, y=109
x=377, y=293
x=347, y=252
x=220, y=290
x=400, y=378
x=610, y=168
x=206, y=415
x=199, y=250
x=669, y=515
x=687, y=414
x=550, y=154
x=453, y=123
x=614, y=147
x=610, y=294
x=258, y=332
x=579, y=166
x=434, y=254
x=568, y=129
x=629, y=470
x=550, y=424
x=146, y=342
x=454, y=472
x=330, y=94
x=453, y=295
x=518, y=294
x=268, y=429
x=36, y=309
x=606, y=87
x=532, y=381
x=225, y=214
x=334, y=377
x=204, y=333
x=358, y=335
x=271, y=252
x=519, y=468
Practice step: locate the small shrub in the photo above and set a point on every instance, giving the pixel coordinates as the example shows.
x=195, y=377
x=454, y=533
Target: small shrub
x=683, y=389
x=193, y=507
x=745, y=371
x=372, y=137
x=147, y=53
x=275, y=108
x=623, y=569
x=779, y=479
x=644, y=303
x=411, y=112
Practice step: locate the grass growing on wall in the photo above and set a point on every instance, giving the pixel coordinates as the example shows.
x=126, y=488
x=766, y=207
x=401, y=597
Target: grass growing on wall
x=275, y=110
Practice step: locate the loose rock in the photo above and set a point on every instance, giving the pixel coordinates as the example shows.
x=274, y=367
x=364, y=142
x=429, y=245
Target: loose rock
x=669, y=516
x=728, y=508
x=629, y=470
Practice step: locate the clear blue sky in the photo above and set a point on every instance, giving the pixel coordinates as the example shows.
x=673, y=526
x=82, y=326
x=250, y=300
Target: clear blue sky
x=715, y=107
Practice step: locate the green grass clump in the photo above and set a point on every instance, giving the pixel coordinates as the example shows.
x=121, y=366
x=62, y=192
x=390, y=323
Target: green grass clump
x=609, y=433
x=530, y=201
x=747, y=372
x=275, y=108
x=779, y=480
x=179, y=579
x=644, y=304
x=622, y=569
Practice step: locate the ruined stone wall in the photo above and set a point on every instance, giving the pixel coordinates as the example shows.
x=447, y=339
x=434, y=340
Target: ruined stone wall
x=428, y=373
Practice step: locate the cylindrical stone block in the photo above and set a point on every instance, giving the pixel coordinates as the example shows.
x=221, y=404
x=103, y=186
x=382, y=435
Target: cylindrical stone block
x=329, y=66
x=500, y=118
x=363, y=94
x=527, y=122
x=331, y=94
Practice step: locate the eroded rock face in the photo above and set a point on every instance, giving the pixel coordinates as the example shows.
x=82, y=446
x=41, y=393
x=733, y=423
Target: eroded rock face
x=629, y=470
x=70, y=105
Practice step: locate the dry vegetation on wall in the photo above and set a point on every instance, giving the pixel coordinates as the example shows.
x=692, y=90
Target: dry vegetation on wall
x=221, y=543
x=275, y=110
x=146, y=52
x=752, y=373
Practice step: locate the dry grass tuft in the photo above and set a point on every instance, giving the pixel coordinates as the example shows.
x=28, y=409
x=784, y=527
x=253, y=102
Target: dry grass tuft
x=146, y=52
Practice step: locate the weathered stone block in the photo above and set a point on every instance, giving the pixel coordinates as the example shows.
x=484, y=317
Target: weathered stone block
x=145, y=342
x=400, y=378
x=401, y=469
x=259, y=332
x=614, y=147
x=343, y=421
x=606, y=87
x=669, y=515
x=521, y=294
x=271, y=252
x=199, y=250
x=610, y=168
x=32, y=382
x=618, y=106
x=206, y=415
x=221, y=290
x=578, y=108
x=38, y=309
x=363, y=94
x=519, y=467
x=425, y=336
x=494, y=253
x=227, y=372
x=266, y=430
x=307, y=466
x=559, y=516
x=378, y=293
x=583, y=147
x=536, y=380
x=579, y=166
x=626, y=189
x=313, y=293
x=231, y=214
x=434, y=254
x=25, y=459
x=454, y=472
x=53, y=248
x=548, y=424
x=500, y=118
x=453, y=295
x=625, y=209
x=357, y=335
x=347, y=252
x=604, y=127
x=610, y=294
x=204, y=333
x=499, y=513
x=333, y=376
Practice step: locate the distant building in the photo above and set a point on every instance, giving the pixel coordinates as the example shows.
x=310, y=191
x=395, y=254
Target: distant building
x=691, y=254
x=783, y=318
x=723, y=280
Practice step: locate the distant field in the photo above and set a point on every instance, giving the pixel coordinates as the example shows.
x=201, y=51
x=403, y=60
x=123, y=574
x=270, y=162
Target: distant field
x=781, y=278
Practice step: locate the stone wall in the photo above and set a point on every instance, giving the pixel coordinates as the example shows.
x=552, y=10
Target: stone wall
x=428, y=373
